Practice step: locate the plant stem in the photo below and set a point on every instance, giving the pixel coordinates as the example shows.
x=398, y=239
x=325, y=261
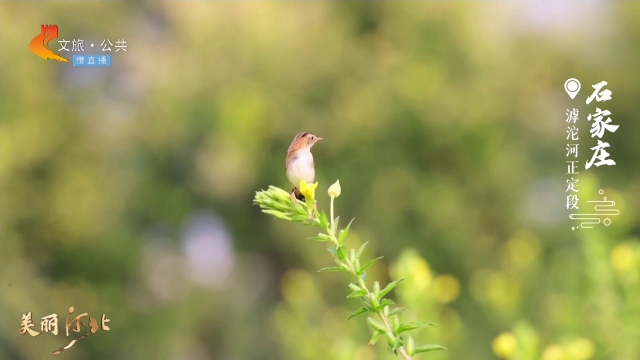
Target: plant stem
x=363, y=284
x=332, y=228
x=370, y=294
x=384, y=319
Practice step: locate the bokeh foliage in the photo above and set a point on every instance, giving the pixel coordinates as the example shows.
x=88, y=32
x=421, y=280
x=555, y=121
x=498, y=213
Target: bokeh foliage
x=444, y=122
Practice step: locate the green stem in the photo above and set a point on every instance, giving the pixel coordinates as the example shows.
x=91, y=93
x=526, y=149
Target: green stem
x=362, y=283
x=332, y=228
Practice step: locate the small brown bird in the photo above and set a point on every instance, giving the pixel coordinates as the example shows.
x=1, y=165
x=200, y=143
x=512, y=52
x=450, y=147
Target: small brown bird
x=299, y=164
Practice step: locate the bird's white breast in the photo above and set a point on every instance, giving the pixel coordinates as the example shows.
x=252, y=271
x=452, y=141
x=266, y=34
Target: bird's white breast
x=301, y=168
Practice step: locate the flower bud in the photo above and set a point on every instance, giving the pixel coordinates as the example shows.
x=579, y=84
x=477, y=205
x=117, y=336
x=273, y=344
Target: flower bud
x=334, y=190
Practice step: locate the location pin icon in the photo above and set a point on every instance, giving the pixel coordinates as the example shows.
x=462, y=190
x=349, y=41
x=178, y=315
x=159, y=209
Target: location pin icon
x=572, y=86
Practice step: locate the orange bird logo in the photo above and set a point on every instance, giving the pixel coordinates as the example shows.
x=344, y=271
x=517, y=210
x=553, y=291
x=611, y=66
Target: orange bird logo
x=39, y=44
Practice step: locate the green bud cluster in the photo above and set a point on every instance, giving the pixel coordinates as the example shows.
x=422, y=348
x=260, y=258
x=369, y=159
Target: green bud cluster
x=278, y=203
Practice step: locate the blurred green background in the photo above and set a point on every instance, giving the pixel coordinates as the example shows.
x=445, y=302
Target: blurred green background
x=127, y=190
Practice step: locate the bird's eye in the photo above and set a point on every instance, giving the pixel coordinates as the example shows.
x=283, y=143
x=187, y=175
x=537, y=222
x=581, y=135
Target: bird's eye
x=313, y=138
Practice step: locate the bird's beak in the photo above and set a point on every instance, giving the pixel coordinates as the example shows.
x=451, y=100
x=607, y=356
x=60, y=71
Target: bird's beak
x=319, y=138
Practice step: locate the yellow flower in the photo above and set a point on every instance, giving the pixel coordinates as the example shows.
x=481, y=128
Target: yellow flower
x=505, y=345
x=581, y=349
x=553, y=352
x=334, y=190
x=447, y=288
x=622, y=258
x=308, y=190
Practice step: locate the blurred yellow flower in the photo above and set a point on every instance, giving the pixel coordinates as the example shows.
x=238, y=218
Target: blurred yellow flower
x=446, y=288
x=505, y=345
x=414, y=268
x=622, y=258
x=522, y=249
x=553, y=352
x=581, y=349
x=421, y=274
x=335, y=190
x=503, y=291
x=308, y=190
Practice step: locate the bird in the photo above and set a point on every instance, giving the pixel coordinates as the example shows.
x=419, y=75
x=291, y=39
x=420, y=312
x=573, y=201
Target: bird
x=299, y=163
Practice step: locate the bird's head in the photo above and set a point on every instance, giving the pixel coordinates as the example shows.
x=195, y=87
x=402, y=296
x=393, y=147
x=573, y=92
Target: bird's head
x=304, y=140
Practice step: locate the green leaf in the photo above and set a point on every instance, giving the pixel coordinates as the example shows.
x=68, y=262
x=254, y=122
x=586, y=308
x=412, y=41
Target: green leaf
x=309, y=222
x=333, y=268
x=368, y=265
x=335, y=224
x=389, y=287
x=332, y=251
x=355, y=287
x=321, y=237
x=357, y=294
x=395, y=321
x=352, y=255
x=324, y=220
x=344, y=233
x=342, y=264
x=375, y=337
x=341, y=252
x=363, y=277
x=317, y=238
x=376, y=289
x=367, y=303
x=396, y=345
x=383, y=303
x=278, y=193
x=392, y=341
x=359, y=252
x=397, y=311
x=278, y=203
x=427, y=348
x=411, y=346
x=276, y=213
x=374, y=303
x=299, y=217
x=376, y=325
x=413, y=325
x=360, y=311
